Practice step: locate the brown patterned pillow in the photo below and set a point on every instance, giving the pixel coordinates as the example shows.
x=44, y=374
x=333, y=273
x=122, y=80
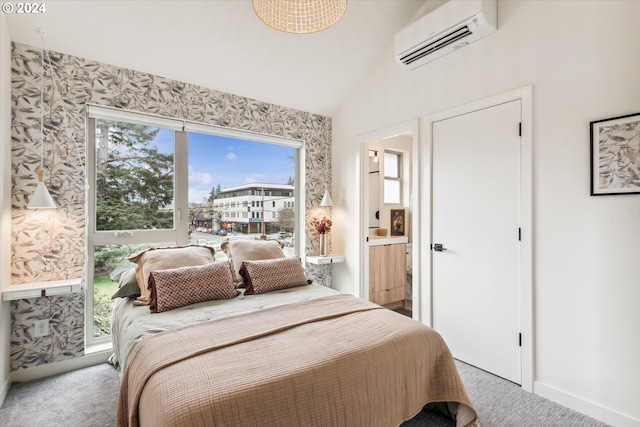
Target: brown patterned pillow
x=272, y=275
x=238, y=251
x=182, y=286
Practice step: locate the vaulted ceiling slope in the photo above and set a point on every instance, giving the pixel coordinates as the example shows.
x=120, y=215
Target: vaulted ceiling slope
x=223, y=45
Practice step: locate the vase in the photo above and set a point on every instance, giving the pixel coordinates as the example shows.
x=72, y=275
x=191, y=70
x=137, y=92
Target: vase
x=323, y=245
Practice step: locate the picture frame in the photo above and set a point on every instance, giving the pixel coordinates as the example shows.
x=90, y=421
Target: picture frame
x=615, y=155
x=398, y=222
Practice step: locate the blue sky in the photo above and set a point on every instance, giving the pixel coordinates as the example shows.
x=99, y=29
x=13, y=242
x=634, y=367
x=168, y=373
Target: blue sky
x=217, y=160
x=229, y=162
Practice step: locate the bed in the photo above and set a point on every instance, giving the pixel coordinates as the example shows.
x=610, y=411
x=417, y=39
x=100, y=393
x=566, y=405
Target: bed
x=304, y=355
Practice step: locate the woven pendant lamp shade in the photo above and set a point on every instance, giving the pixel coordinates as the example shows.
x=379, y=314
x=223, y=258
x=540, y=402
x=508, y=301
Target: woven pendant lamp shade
x=299, y=16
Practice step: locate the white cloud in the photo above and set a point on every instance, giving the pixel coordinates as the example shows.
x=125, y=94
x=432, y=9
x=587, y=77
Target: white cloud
x=199, y=178
x=197, y=195
x=231, y=156
x=256, y=177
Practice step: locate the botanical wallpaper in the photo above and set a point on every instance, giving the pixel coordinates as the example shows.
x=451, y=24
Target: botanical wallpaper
x=50, y=244
x=619, y=155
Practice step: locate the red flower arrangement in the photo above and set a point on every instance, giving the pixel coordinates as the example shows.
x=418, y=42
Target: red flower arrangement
x=322, y=226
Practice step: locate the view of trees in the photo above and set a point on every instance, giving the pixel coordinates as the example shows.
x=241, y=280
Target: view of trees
x=286, y=219
x=134, y=182
x=134, y=190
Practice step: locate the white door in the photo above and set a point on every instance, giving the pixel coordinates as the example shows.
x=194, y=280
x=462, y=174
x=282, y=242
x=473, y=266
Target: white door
x=475, y=217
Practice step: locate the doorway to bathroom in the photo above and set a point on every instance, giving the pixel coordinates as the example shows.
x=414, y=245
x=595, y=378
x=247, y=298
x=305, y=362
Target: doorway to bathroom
x=388, y=187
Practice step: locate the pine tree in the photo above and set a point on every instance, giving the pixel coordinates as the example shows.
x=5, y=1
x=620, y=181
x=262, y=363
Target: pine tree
x=134, y=182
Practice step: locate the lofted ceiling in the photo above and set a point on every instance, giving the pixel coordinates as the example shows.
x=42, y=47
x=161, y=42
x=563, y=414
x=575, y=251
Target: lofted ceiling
x=223, y=45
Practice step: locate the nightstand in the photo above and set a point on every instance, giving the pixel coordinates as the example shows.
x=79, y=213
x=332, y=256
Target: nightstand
x=321, y=260
x=42, y=289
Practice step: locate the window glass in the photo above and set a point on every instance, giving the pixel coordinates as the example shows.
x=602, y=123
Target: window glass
x=392, y=177
x=254, y=178
x=156, y=187
x=392, y=191
x=134, y=177
x=109, y=270
x=391, y=165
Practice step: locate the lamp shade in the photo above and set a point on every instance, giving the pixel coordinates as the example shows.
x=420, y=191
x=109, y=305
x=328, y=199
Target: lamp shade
x=299, y=16
x=326, y=199
x=41, y=198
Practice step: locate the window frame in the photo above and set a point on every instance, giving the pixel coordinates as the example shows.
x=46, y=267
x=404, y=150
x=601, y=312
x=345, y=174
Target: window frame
x=180, y=232
x=398, y=178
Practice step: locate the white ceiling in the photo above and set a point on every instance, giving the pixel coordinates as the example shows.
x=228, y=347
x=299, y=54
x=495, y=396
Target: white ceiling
x=223, y=45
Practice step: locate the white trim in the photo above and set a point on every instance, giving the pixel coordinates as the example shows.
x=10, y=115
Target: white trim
x=5, y=203
x=42, y=371
x=299, y=203
x=241, y=134
x=5, y=389
x=525, y=95
x=410, y=128
x=587, y=407
x=135, y=117
x=181, y=188
x=157, y=120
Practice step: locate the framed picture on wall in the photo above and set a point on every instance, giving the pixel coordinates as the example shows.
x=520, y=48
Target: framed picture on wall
x=615, y=155
x=397, y=222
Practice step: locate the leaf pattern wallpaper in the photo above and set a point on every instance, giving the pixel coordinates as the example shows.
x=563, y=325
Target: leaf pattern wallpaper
x=619, y=156
x=50, y=244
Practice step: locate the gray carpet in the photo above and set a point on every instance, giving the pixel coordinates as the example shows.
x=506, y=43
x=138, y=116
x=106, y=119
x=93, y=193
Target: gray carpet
x=87, y=398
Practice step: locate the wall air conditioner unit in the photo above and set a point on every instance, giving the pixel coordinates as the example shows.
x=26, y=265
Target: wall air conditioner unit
x=453, y=25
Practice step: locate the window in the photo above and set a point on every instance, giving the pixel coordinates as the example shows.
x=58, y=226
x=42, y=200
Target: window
x=392, y=177
x=146, y=190
x=133, y=205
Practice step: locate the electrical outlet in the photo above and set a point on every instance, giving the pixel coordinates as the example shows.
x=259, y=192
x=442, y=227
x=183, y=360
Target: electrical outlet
x=42, y=327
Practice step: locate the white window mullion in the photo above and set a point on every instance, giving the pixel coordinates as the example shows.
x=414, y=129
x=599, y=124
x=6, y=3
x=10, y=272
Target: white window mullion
x=181, y=187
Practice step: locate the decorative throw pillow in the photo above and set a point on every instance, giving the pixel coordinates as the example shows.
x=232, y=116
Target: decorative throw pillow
x=164, y=259
x=182, y=286
x=127, y=284
x=238, y=251
x=272, y=275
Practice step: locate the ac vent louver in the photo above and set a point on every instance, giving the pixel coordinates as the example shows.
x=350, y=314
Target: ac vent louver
x=454, y=25
x=436, y=45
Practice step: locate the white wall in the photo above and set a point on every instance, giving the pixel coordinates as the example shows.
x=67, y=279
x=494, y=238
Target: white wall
x=5, y=200
x=583, y=60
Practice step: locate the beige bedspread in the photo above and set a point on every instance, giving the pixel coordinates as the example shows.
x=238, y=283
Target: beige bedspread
x=130, y=324
x=330, y=361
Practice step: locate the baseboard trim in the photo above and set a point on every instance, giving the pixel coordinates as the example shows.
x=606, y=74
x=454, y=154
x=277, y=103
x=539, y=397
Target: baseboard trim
x=5, y=390
x=61, y=367
x=591, y=409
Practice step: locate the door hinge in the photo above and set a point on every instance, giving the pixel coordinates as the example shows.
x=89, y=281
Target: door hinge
x=520, y=129
x=519, y=234
x=520, y=340
x=367, y=239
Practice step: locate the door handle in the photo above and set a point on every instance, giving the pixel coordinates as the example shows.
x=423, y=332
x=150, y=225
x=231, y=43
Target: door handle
x=438, y=247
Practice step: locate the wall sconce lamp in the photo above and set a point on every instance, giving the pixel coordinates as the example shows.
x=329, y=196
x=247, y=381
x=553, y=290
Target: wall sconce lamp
x=375, y=155
x=326, y=199
x=41, y=198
